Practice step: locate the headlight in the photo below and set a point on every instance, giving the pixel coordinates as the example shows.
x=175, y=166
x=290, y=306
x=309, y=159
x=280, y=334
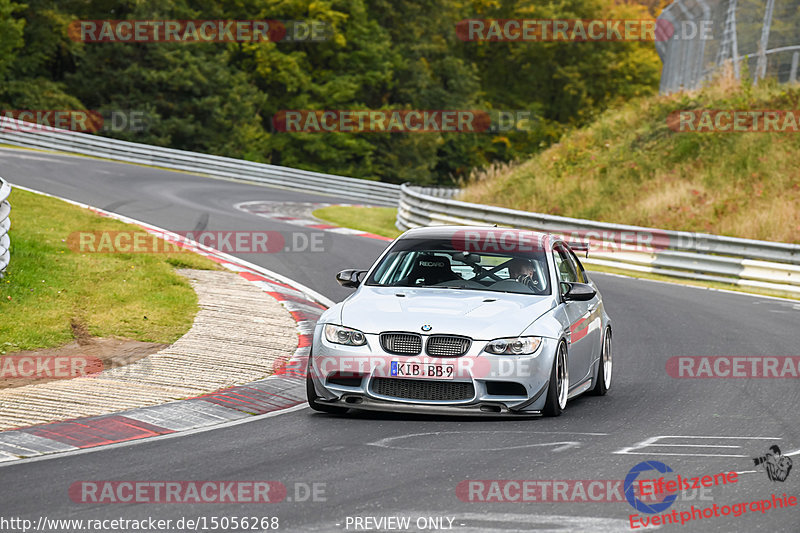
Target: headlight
x=343, y=335
x=514, y=346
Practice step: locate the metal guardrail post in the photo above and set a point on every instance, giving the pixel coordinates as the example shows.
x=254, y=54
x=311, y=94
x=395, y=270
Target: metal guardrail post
x=5, y=226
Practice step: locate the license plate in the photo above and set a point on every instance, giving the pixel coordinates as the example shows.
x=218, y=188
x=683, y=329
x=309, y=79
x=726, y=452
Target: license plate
x=402, y=369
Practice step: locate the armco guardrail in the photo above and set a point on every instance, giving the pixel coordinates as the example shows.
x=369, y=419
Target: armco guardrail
x=5, y=225
x=701, y=256
x=29, y=135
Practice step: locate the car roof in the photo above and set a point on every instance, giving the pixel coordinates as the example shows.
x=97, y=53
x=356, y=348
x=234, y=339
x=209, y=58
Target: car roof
x=444, y=232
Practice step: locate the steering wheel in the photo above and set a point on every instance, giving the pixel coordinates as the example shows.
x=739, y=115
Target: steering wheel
x=532, y=282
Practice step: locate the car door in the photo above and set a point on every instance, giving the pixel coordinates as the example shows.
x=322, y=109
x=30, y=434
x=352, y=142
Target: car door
x=580, y=316
x=594, y=321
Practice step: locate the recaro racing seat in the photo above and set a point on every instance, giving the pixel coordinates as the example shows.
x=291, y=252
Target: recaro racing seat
x=429, y=270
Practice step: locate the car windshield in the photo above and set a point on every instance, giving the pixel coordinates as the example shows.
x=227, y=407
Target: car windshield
x=442, y=263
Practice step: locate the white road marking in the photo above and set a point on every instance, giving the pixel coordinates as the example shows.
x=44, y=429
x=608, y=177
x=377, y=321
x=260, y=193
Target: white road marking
x=701, y=445
x=345, y=231
x=565, y=446
x=559, y=446
x=653, y=442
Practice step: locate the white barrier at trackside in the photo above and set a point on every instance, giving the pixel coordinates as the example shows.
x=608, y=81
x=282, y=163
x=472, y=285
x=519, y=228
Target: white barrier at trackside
x=5, y=226
x=745, y=262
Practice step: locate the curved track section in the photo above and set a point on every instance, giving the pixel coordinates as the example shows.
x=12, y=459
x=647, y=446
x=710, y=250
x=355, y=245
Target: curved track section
x=379, y=466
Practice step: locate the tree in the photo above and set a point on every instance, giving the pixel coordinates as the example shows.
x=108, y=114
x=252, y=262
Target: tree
x=10, y=33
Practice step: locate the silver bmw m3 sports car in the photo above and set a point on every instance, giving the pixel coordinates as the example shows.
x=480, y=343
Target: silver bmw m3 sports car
x=463, y=320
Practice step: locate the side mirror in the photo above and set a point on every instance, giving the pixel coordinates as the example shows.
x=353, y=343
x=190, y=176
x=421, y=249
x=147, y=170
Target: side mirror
x=579, y=292
x=349, y=278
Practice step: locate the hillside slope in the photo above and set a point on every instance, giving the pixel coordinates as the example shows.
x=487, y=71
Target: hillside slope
x=630, y=167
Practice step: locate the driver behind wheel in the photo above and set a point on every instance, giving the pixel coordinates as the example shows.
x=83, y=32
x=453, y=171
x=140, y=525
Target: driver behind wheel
x=522, y=271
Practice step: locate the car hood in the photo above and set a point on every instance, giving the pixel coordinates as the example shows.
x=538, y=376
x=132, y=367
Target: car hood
x=482, y=315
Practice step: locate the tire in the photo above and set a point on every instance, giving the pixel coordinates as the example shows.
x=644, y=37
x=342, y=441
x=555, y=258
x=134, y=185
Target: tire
x=311, y=395
x=604, y=367
x=558, y=388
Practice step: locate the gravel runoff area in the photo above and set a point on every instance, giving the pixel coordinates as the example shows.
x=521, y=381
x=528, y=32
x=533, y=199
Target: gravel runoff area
x=237, y=337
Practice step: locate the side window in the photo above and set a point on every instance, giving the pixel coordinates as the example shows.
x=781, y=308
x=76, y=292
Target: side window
x=565, y=267
x=579, y=270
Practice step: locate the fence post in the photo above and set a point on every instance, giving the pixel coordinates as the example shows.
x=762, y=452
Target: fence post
x=5, y=226
x=761, y=66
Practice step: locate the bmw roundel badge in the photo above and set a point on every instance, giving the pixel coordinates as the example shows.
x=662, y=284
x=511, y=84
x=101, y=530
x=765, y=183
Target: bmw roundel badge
x=426, y=327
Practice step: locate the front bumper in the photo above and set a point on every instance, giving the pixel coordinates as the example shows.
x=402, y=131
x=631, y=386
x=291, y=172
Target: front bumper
x=491, y=377
x=368, y=403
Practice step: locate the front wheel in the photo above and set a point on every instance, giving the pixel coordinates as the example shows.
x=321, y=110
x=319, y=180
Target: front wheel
x=604, y=367
x=558, y=389
x=311, y=395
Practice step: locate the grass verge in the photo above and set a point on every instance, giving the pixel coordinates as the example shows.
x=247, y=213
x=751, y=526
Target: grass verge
x=52, y=294
x=630, y=167
x=377, y=220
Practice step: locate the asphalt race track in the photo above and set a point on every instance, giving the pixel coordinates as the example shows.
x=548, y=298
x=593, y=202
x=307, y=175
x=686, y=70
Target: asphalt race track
x=373, y=465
